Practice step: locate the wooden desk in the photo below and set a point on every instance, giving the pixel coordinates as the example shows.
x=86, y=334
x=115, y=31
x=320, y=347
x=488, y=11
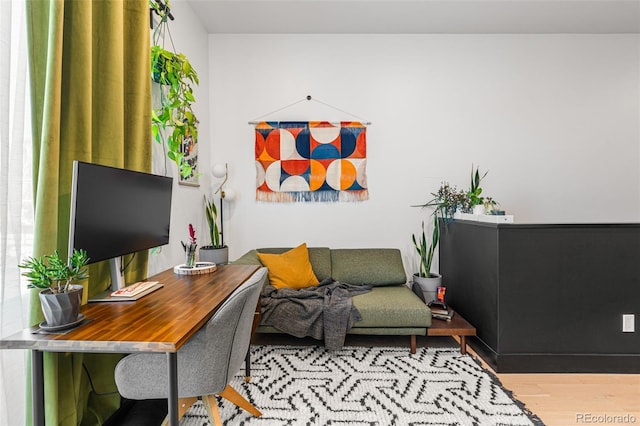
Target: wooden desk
x=159, y=322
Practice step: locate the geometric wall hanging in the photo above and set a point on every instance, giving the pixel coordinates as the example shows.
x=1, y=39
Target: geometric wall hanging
x=311, y=161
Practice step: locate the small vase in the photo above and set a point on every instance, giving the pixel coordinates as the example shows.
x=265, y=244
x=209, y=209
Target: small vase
x=190, y=253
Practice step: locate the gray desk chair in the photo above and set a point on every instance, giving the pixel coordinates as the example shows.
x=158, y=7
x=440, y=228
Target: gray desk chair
x=206, y=363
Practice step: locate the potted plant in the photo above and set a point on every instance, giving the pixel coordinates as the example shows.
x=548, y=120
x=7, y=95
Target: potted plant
x=490, y=206
x=174, y=120
x=447, y=201
x=190, y=248
x=476, y=201
x=60, y=298
x=427, y=281
x=216, y=252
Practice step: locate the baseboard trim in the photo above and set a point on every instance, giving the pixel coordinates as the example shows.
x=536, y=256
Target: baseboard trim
x=557, y=363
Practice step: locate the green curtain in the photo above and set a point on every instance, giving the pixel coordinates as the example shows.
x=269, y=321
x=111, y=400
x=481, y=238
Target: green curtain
x=91, y=101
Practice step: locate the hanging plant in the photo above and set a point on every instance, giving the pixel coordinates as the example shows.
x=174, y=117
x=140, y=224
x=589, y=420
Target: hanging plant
x=173, y=121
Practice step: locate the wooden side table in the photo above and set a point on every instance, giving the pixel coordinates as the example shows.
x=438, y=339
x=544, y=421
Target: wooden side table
x=457, y=326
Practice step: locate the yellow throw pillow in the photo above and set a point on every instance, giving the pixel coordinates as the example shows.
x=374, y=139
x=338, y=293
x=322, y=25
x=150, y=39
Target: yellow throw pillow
x=290, y=269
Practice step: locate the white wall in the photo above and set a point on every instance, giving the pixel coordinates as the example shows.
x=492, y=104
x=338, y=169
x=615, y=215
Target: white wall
x=190, y=38
x=554, y=118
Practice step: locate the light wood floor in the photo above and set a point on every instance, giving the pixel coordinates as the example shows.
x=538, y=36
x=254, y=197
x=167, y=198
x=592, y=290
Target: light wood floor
x=576, y=399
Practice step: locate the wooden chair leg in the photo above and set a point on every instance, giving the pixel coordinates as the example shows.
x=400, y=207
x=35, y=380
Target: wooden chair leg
x=413, y=344
x=211, y=406
x=232, y=395
x=183, y=405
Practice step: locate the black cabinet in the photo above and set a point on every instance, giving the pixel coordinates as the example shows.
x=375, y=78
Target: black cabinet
x=546, y=298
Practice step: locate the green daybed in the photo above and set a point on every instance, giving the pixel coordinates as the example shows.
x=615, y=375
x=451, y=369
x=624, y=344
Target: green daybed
x=390, y=308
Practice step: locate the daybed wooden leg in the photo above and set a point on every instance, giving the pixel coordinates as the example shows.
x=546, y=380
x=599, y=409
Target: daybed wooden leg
x=413, y=343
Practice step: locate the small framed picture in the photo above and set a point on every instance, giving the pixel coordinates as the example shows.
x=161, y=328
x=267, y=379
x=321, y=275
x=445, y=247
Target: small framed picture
x=189, y=148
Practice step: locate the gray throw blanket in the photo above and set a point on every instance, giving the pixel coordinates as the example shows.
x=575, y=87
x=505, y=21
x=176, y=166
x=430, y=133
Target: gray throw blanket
x=323, y=311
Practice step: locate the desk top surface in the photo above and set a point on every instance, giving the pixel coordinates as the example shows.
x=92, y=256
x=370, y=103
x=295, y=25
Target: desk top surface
x=161, y=321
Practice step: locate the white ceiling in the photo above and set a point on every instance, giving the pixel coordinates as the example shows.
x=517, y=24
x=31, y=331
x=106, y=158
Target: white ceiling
x=418, y=16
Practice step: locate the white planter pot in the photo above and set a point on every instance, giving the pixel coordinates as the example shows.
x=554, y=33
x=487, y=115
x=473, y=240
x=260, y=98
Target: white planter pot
x=429, y=286
x=219, y=256
x=479, y=209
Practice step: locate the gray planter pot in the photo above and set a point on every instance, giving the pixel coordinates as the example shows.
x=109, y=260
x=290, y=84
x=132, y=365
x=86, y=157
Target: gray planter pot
x=61, y=308
x=219, y=256
x=428, y=286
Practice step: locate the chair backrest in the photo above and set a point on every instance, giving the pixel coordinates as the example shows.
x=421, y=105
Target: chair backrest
x=208, y=361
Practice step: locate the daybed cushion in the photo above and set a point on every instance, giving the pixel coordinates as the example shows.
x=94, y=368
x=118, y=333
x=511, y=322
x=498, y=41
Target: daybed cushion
x=319, y=257
x=291, y=269
x=405, y=309
x=376, y=267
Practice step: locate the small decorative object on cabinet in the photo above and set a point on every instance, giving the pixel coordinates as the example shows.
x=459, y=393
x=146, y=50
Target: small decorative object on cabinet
x=60, y=299
x=450, y=203
x=447, y=201
x=476, y=200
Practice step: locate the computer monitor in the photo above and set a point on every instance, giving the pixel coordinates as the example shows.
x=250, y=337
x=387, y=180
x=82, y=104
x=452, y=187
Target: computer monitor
x=116, y=212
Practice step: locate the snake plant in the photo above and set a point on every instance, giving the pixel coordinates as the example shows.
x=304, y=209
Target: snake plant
x=425, y=252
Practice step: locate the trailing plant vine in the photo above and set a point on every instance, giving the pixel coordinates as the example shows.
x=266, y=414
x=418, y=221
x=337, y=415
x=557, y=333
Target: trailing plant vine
x=174, y=121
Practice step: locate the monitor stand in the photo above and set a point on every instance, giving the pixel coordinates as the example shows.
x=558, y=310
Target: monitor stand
x=117, y=282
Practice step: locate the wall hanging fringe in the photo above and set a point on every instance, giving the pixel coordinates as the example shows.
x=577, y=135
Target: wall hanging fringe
x=298, y=161
x=309, y=98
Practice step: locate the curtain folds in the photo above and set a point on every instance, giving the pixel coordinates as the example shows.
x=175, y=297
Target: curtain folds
x=16, y=213
x=91, y=101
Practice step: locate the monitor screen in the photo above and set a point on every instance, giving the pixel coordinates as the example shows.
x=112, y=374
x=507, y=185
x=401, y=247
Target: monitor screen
x=117, y=211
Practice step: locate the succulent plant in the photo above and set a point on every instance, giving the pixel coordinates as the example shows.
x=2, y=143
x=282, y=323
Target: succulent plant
x=53, y=273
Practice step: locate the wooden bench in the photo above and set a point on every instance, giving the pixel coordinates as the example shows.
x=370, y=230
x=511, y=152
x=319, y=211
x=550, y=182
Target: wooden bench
x=457, y=326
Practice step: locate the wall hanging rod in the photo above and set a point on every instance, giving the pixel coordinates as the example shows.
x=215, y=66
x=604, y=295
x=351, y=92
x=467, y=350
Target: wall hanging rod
x=162, y=6
x=307, y=98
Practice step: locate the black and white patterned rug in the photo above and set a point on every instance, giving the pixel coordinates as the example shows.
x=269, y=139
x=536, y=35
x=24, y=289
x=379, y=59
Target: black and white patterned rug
x=308, y=385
